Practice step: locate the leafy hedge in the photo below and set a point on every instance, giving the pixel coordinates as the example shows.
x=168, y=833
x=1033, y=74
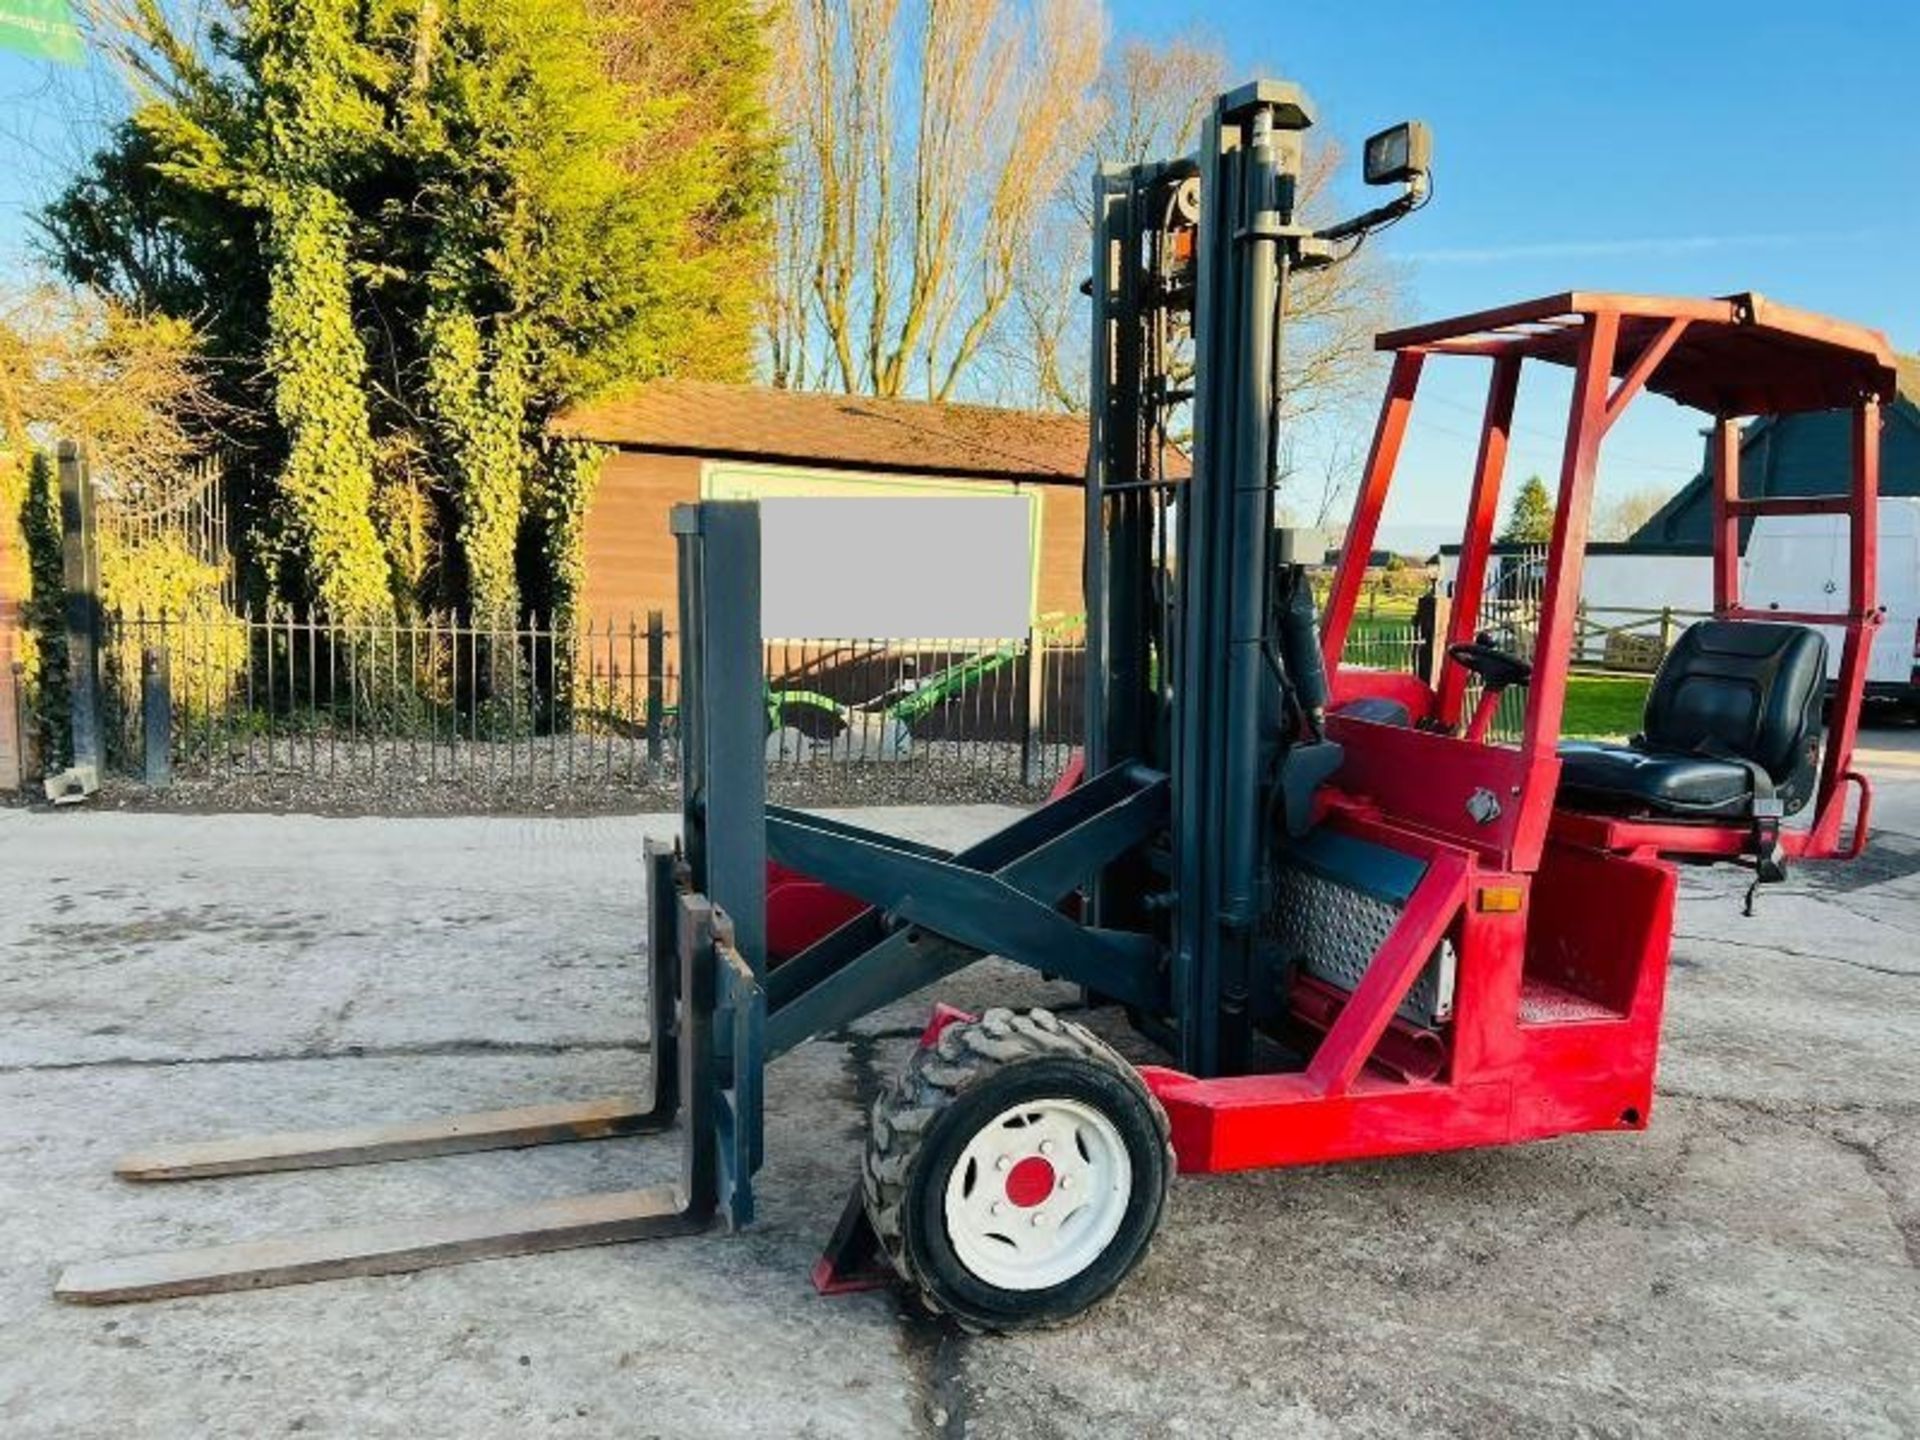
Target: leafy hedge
x=414, y=230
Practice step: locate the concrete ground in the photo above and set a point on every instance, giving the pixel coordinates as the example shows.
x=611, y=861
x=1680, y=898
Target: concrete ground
x=1747, y=1267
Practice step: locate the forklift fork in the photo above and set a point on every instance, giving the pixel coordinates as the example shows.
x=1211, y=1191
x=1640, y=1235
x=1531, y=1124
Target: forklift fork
x=700, y=985
x=715, y=1023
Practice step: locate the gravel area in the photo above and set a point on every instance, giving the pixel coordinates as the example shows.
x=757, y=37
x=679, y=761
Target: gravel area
x=401, y=779
x=1747, y=1267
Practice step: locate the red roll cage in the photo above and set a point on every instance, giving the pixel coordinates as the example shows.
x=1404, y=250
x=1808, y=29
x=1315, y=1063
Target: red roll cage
x=1737, y=356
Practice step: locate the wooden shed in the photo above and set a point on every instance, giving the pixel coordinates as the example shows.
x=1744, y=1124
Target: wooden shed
x=899, y=536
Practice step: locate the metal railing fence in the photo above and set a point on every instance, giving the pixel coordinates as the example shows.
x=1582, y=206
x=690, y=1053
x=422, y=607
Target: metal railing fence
x=281, y=696
x=541, y=708
x=191, y=514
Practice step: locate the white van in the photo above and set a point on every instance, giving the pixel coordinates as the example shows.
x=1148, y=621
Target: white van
x=1799, y=562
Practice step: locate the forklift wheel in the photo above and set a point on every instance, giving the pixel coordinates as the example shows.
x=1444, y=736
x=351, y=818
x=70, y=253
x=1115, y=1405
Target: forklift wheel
x=1016, y=1171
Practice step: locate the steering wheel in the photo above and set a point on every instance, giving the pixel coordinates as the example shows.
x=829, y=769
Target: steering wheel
x=1496, y=669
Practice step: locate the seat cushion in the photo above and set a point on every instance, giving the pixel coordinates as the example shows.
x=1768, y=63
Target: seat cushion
x=1619, y=778
x=1746, y=688
x=1749, y=689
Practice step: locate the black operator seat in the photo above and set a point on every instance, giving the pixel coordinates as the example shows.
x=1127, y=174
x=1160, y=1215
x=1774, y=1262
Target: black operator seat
x=1735, y=712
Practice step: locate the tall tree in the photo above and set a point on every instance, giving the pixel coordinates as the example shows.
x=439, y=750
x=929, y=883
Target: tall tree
x=1530, y=517
x=703, y=153
x=1154, y=99
x=133, y=388
x=1619, y=519
x=312, y=127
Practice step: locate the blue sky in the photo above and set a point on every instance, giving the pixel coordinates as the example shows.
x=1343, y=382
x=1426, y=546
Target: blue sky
x=1681, y=148
x=1689, y=148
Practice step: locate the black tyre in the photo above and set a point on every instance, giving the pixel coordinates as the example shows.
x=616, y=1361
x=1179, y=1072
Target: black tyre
x=1016, y=1172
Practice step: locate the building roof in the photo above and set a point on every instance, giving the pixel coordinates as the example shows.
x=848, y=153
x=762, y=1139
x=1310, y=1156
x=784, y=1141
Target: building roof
x=1803, y=454
x=850, y=432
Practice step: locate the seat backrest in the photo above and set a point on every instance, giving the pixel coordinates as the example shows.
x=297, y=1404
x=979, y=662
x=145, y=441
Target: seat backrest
x=1752, y=689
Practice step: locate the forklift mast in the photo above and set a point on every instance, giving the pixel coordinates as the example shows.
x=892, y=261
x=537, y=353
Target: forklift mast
x=1191, y=264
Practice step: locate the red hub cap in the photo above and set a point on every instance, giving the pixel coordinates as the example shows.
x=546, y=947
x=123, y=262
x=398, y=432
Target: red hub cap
x=1030, y=1182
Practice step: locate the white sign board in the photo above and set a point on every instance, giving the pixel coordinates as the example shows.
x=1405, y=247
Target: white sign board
x=870, y=557
x=896, y=568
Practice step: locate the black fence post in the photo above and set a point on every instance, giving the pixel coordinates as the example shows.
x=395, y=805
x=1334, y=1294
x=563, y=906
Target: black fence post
x=80, y=573
x=25, y=750
x=1034, y=690
x=156, y=713
x=1426, y=634
x=656, y=683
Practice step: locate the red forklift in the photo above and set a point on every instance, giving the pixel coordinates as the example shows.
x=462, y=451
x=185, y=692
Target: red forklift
x=1354, y=922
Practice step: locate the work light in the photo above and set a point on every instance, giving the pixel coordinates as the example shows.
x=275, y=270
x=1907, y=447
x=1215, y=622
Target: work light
x=1397, y=155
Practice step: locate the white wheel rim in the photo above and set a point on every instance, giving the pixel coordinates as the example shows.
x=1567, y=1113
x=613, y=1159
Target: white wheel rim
x=1038, y=1194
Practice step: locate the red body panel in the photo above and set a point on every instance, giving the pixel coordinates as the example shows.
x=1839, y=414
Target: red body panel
x=802, y=910
x=1424, y=781
x=1529, y=1055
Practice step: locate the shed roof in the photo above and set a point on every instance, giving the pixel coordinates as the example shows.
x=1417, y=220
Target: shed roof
x=755, y=422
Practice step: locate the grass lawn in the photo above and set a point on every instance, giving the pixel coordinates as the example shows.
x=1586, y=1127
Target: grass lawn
x=1381, y=608
x=1604, y=706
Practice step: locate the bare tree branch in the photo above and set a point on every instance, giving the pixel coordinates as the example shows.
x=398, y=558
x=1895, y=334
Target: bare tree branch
x=928, y=140
x=1156, y=97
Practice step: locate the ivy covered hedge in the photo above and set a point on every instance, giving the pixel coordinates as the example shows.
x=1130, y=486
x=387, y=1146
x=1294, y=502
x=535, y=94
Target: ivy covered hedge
x=30, y=509
x=414, y=230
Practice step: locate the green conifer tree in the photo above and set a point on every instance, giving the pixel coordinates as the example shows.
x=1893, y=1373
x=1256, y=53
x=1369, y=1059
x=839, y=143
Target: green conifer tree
x=1530, y=517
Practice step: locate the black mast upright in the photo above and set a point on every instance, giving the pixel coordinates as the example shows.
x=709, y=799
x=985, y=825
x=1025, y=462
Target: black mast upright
x=1225, y=730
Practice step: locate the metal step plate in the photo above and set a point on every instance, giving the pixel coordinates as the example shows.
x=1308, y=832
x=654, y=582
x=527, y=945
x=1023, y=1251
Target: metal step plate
x=1335, y=901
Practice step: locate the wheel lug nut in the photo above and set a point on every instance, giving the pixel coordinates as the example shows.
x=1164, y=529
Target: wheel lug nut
x=1046, y=1147
x=1066, y=1182
x=1005, y=1162
x=996, y=1208
x=1039, y=1218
